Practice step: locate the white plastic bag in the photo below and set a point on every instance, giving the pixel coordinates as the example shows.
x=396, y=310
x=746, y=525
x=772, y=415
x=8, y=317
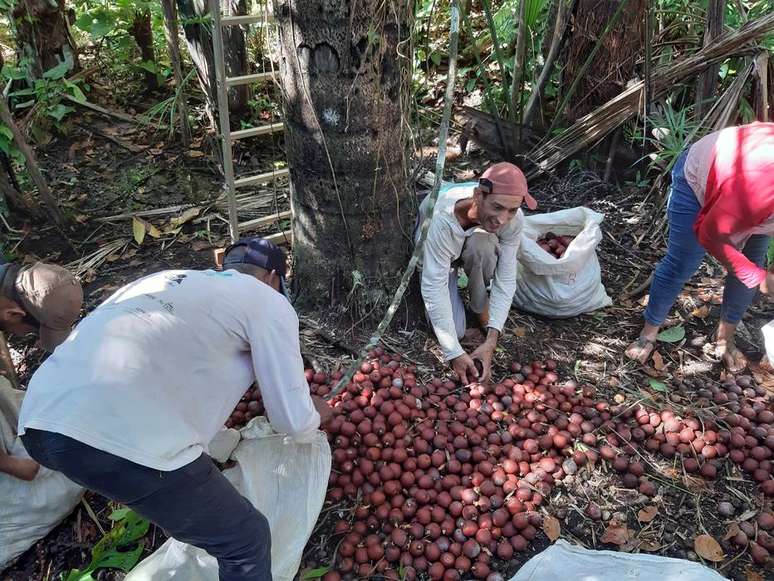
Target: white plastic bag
x=768, y=340
x=570, y=563
x=28, y=510
x=285, y=480
x=567, y=286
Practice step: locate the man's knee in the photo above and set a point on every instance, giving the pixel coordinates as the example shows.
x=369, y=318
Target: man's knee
x=480, y=251
x=252, y=535
x=480, y=246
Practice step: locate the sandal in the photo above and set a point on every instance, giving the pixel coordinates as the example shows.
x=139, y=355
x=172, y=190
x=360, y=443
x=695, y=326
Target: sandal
x=640, y=350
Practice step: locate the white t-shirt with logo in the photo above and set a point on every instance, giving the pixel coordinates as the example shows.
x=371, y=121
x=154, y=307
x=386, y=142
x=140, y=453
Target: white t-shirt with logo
x=152, y=373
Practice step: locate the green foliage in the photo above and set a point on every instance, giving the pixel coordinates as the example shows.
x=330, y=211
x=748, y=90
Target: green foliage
x=672, y=130
x=672, y=335
x=108, y=25
x=48, y=98
x=118, y=549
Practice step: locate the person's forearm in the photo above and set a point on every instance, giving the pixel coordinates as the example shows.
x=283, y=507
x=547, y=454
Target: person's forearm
x=491, y=338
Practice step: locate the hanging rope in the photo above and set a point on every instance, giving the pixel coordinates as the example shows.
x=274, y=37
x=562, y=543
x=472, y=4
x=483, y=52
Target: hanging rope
x=439, y=165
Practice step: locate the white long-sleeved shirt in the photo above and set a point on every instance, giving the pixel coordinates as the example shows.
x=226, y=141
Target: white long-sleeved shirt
x=443, y=246
x=153, y=372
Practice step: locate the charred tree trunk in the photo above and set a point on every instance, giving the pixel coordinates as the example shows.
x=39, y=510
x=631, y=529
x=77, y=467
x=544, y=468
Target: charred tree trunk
x=199, y=40
x=708, y=80
x=614, y=63
x=345, y=69
x=143, y=36
x=43, y=37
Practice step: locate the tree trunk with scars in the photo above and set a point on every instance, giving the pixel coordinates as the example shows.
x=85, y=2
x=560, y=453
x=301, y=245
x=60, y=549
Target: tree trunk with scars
x=43, y=37
x=614, y=64
x=344, y=71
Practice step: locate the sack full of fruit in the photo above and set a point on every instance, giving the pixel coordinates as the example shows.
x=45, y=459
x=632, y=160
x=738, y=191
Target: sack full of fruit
x=559, y=274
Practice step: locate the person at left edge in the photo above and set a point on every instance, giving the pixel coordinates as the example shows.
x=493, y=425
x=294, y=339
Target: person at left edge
x=127, y=406
x=44, y=299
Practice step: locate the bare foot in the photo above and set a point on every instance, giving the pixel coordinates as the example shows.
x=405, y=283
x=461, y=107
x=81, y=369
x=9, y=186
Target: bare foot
x=733, y=360
x=640, y=350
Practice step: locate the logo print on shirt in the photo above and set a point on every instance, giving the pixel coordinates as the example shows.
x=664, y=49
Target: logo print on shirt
x=177, y=279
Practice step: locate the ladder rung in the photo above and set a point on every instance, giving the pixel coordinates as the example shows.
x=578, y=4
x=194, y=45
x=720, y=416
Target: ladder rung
x=265, y=220
x=253, y=131
x=260, y=178
x=280, y=238
x=246, y=79
x=243, y=19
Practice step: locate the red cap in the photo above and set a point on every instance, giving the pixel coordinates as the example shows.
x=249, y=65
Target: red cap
x=508, y=180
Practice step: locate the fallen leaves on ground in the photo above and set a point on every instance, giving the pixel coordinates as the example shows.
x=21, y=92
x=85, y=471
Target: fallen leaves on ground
x=708, y=548
x=617, y=533
x=751, y=575
x=732, y=531
x=552, y=527
x=658, y=361
x=647, y=514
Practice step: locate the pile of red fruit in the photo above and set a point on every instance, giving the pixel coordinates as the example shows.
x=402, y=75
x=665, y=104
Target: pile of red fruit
x=442, y=479
x=555, y=245
x=248, y=408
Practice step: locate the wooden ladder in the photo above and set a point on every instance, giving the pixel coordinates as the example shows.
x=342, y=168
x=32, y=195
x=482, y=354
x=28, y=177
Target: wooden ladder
x=228, y=137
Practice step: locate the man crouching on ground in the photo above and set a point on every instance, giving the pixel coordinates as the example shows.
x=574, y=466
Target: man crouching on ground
x=478, y=229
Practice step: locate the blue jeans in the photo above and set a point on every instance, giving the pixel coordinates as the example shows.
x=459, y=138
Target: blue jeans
x=684, y=255
x=194, y=504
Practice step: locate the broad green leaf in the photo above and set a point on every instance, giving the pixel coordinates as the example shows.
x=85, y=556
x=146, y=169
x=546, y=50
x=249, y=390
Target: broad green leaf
x=316, y=573
x=138, y=229
x=22, y=92
x=78, y=575
x=6, y=132
x=657, y=385
x=75, y=92
x=672, y=335
x=435, y=57
x=57, y=72
x=124, y=560
x=149, y=66
x=97, y=23
x=59, y=111
x=119, y=513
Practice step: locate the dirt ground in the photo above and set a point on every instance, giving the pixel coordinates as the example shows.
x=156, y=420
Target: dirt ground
x=133, y=170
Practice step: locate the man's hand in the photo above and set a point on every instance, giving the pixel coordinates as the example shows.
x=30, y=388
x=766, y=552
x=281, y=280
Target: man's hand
x=767, y=286
x=322, y=407
x=484, y=354
x=465, y=368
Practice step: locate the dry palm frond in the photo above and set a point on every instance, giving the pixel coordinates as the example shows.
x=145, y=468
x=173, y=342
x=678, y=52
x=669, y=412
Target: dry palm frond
x=594, y=126
x=93, y=261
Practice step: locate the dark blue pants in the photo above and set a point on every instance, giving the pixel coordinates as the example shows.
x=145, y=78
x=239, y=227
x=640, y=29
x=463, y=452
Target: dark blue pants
x=685, y=253
x=194, y=504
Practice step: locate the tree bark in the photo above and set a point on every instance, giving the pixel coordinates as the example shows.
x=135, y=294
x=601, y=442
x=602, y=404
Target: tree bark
x=32, y=166
x=173, y=46
x=199, y=41
x=762, y=87
x=345, y=70
x=707, y=83
x=614, y=64
x=561, y=20
x=143, y=35
x=43, y=37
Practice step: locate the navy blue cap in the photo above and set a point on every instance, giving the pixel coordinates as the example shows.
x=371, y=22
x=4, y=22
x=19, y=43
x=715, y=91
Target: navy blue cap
x=258, y=252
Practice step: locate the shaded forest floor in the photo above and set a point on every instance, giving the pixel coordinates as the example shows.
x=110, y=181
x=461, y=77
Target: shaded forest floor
x=107, y=169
